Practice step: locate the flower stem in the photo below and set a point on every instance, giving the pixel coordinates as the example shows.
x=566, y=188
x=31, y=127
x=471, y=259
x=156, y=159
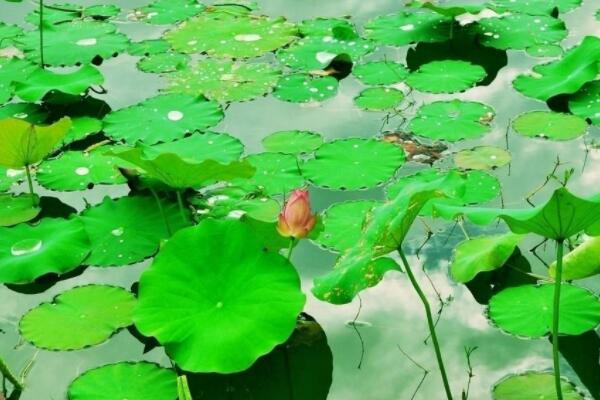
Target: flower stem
x=555, y=318
x=290, y=249
x=41, y=28
x=430, y=322
x=34, y=198
x=6, y=373
x=181, y=206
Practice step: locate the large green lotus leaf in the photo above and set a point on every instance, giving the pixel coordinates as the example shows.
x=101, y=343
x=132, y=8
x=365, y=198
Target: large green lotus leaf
x=527, y=310
x=32, y=113
x=550, y=125
x=580, y=263
x=81, y=317
x=519, y=31
x=586, y=104
x=301, y=368
x=223, y=36
x=129, y=229
x=577, y=67
x=276, y=173
x=65, y=12
x=125, y=380
x=10, y=177
x=225, y=81
x=448, y=76
x=82, y=127
x=409, y=26
x=384, y=229
x=561, y=217
x=200, y=147
x=482, y=158
x=353, y=164
x=534, y=7
x=178, y=173
x=26, y=144
x=235, y=201
x=533, y=385
x=12, y=69
x=292, y=142
x=317, y=52
x=303, y=88
x=9, y=33
x=203, y=305
x=75, y=42
x=77, y=170
x=17, y=209
x=163, y=118
x=51, y=246
x=343, y=223
x=166, y=12
x=327, y=27
x=163, y=63
x=482, y=254
x=380, y=72
x=379, y=99
x=452, y=120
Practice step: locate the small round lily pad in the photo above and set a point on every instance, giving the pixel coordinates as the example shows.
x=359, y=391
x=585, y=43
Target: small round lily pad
x=131, y=381
x=527, y=310
x=292, y=142
x=166, y=12
x=550, y=125
x=448, y=76
x=379, y=99
x=200, y=147
x=81, y=317
x=225, y=81
x=203, y=305
x=149, y=47
x=351, y=164
x=380, y=72
x=482, y=158
x=163, y=63
x=276, y=173
x=54, y=245
x=163, y=118
x=303, y=88
x=452, y=120
x=533, y=385
x=586, y=102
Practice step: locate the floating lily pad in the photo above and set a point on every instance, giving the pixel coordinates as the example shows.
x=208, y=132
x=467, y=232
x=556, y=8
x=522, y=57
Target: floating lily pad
x=292, y=142
x=149, y=47
x=326, y=27
x=343, y=223
x=163, y=118
x=77, y=170
x=166, y=12
x=533, y=385
x=12, y=69
x=535, y=7
x=129, y=229
x=550, y=125
x=51, y=246
x=302, y=88
x=9, y=33
x=163, y=63
x=32, y=113
x=236, y=202
x=317, y=52
x=565, y=76
x=527, y=310
x=482, y=254
x=276, y=173
x=410, y=26
x=545, y=50
x=75, y=42
x=519, y=31
x=60, y=13
x=452, y=120
x=42, y=81
x=380, y=72
x=482, y=158
x=586, y=102
x=200, y=147
x=239, y=292
x=379, y=99
x=221, y=35
x=82, y=127
x=225, y=81
x=351, y=164
x=17, y=209
x=81, y=317
x=447, y=76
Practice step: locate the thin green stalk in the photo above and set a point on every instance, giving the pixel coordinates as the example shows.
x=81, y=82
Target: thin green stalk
x=30, y=184
x=6, y=373
x=430, y=322
x=162, y=212
x=555, y=318
x=181, y=206
x=183, y=390
x=290, y=249
x=41, y=28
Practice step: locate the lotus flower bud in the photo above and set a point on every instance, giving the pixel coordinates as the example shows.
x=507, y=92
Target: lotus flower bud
x=296, y=219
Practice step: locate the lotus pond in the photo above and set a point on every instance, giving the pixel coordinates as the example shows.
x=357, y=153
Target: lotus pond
x=299, y=200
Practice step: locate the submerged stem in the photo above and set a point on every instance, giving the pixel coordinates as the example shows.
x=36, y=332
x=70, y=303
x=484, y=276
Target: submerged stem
x=6, y=373
x=41, y=28
x=30, y=185
x=555, y=318
x=430, y=322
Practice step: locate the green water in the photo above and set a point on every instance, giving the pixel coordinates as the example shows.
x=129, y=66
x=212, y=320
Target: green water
x=391, y=316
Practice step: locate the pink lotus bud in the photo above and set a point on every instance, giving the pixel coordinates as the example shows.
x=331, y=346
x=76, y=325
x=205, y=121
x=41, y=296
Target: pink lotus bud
x=296, y=219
